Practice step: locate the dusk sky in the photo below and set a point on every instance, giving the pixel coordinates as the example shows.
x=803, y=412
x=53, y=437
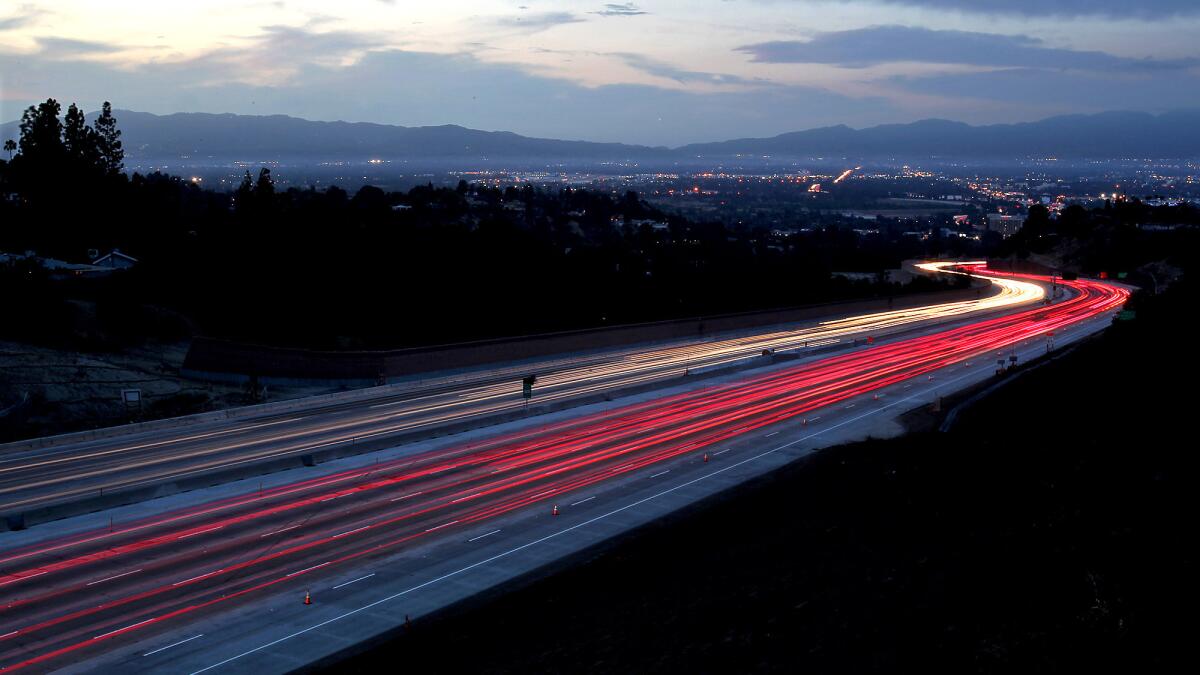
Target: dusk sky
x=655, y=72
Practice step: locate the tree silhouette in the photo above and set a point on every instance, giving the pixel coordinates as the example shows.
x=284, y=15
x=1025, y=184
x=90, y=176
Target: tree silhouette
x=75, y=134
x=108, y=141
x=10, y=146
x=41, y=133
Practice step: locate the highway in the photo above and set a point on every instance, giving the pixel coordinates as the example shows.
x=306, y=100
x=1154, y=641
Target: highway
x=74, y=597
x=32, y=478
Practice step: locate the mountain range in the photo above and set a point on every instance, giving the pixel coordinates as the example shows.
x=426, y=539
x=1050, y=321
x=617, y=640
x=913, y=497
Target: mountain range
x=262, y=137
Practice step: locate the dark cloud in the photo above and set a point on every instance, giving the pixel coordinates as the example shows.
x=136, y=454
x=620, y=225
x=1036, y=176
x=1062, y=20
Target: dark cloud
x=625, y=9
x=891, y=44
x=681, y=75
x=59, y=47
x=1141, y=9
x=538, y=22
x=1052, y=91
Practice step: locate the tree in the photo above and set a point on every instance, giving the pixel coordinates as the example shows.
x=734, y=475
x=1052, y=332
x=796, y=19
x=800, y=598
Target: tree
x=76, y=136
x=264, y=190
x=111, y=156
x=41, y=133
x=10, y=146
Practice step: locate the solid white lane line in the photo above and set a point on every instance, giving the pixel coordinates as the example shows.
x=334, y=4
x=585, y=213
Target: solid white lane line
x=357, y=529
x=117, y=576
x=278, y=531
x=135, y=625
x=308, y=569
x=353, y=581
x=661, y=473
x=483, y=535
x=584, y=500
x=162, y=649
x=211, y=529
x=562, y=532
x=406, y=496
x=441, y=526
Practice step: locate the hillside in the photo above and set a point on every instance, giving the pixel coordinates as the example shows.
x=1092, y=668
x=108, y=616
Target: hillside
x=259, y=137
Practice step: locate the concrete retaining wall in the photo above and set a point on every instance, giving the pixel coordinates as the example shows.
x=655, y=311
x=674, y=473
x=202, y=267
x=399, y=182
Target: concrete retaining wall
x=226, y=361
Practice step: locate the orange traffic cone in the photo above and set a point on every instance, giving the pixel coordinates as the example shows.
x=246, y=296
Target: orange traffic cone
x=706, y=456
x=307, y=598
x=554, y=511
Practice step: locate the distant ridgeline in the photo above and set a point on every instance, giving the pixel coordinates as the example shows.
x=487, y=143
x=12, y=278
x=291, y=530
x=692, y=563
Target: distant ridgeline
x=257, y=138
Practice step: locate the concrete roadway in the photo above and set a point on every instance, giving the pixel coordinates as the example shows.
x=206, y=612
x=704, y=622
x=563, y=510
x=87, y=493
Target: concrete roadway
x=220, y=584
x=41, y=478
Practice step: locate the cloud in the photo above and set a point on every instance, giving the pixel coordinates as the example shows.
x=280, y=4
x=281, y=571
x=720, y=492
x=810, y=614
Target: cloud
x=863, y=47
x=667, y=71
x=625, y=9
x=59, y=47
x=1141, y=9
x=537, y=22
x=416, y=88
x=25, y=16
x=1059, y=91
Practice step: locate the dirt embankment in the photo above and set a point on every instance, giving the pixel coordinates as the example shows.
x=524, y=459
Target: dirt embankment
x=47, y=391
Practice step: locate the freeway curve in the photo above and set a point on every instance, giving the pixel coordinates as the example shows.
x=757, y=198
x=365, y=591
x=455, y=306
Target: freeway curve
x=80, y=474
x=76, y=596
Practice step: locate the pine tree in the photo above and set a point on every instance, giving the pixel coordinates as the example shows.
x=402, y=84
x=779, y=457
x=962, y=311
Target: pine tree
x=76, y=134
x=111, y=155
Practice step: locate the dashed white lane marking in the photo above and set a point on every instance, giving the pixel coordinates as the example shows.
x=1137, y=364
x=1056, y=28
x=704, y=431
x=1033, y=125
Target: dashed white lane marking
x=771, y=434
x=115, y=576
x=353, y=581
x=483, y=535
x=406, y=496
x=720, y=452
x=211, y=529
x=278, y=531
x=441, y=526
x=27, y=576
x=9, y=634
x=850, y=406
x=180, y=583
x=357, y=529
x=308, y=569
x=176, y=644
x=132, y=625
x=661, y=473
x=463, y=499
x=584, y=500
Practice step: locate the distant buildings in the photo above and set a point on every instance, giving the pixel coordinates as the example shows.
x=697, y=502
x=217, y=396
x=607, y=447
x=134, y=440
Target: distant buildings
x=1007, y=225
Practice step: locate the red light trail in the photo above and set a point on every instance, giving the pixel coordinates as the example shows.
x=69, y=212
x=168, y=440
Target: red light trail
x=73, y=595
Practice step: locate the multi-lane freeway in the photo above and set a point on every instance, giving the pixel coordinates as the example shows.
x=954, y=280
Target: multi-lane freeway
x=73, y=597
x=40, y=477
